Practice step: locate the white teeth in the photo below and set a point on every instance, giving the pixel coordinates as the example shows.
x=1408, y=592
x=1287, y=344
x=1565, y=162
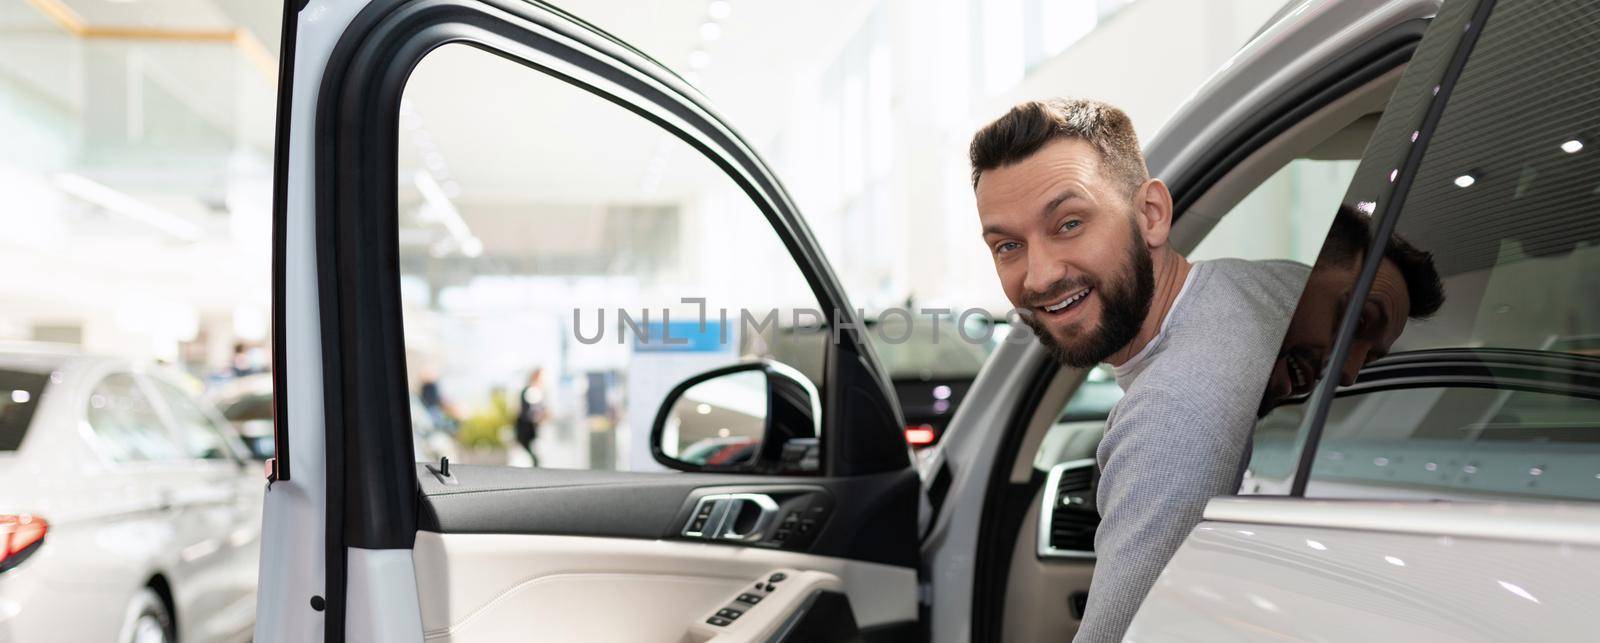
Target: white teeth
x=1068, y=301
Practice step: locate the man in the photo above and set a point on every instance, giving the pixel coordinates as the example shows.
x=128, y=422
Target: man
x=1406, y=286
x=1079, y=235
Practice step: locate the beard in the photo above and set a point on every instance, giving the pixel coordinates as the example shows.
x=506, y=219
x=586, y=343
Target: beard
x=1124, y=305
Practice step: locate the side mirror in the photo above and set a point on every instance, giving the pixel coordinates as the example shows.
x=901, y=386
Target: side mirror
x=753, y=417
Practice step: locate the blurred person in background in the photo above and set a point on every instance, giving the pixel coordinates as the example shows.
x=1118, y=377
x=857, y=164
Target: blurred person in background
x=439, y=410
x=532, y=412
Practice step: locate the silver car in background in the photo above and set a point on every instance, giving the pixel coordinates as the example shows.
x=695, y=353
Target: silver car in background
x=129, y=513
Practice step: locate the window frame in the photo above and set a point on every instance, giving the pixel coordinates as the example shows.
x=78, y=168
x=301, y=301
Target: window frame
x=371, y=495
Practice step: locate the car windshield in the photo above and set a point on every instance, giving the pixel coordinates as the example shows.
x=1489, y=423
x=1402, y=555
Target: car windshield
x=19, y=396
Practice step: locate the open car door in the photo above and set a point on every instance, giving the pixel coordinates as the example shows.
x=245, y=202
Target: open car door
x=438, y=159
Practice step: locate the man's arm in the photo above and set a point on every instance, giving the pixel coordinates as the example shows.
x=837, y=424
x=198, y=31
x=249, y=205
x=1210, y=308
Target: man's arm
x=1162, y=462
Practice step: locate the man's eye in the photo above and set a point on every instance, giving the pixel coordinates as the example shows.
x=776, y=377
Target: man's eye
x=1006, y=247
x=1070, y=225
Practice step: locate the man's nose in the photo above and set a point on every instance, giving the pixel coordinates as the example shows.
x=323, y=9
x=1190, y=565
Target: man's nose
x=1353, y=363
x=1043, y=272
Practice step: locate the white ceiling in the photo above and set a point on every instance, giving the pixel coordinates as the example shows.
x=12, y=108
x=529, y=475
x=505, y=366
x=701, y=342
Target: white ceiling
x=509, y=133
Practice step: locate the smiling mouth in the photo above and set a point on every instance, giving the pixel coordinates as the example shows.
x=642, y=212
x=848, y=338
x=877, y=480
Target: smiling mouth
x=1071, y=301
x=1300, y=375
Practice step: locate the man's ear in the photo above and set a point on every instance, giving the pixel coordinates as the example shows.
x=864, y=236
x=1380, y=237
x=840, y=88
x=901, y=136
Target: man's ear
x=1152, y=206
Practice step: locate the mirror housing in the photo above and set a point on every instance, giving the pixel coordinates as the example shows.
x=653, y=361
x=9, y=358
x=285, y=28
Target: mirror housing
x=753, y=417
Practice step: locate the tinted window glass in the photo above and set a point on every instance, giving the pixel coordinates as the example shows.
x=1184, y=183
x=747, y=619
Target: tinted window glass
x=1497, y=250
x=127, y=424
x=19, y=396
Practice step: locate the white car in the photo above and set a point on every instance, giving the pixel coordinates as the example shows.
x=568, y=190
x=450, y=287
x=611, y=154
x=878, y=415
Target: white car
x=133, y=515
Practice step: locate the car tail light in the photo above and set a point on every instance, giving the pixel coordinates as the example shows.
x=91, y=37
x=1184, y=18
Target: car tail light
x=20, y=536
x=919, y=435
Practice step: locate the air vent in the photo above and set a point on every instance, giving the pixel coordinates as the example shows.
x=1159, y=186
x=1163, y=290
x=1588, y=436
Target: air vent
x=1067, y=519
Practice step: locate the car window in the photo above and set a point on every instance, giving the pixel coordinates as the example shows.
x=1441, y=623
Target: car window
x=1472, y=365
x=1310, y=338
x=19, y=398
x=1503, y=210
x=594, y=248
x=126, y=422
x=201, y=437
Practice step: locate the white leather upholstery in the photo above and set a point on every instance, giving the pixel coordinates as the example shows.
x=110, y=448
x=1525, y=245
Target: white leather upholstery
x=492, y=587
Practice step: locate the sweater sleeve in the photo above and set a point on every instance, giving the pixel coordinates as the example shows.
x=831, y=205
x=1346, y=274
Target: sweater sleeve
x=1162, y=460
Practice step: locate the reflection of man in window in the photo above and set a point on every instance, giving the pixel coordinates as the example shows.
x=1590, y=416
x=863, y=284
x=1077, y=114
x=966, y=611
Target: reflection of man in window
x=1406, y=286
x=1078, y=231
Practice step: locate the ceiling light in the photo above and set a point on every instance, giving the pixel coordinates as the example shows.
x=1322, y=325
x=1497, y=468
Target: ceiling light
x=440, y=208
x=1466, y=181
x=127, y=206
x=20, y=396
x=698, y=59
x=1367, y=207
x=1394, y=561
x=1572, y=147
x=719, y=9
x=710, y=31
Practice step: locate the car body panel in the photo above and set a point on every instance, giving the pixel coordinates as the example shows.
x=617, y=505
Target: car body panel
x=293, y=555
x=1276, y=569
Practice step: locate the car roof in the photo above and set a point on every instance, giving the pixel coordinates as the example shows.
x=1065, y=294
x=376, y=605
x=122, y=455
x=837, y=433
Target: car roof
x=42, y=356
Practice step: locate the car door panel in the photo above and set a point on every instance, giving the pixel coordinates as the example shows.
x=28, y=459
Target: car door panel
x=560, y=543
x=502, y=549
x=477, y=586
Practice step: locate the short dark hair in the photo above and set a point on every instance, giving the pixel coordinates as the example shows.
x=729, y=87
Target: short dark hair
x=1351, y=236
x=1030, y=125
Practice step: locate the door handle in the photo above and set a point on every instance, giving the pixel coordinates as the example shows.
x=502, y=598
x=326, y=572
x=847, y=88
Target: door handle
x=742, y=517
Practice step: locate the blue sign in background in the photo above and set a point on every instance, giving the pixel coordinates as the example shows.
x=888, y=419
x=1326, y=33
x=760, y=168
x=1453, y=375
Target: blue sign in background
x=685, y=337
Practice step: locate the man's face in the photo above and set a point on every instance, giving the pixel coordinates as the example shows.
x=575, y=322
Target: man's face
x=1309, y=340
x=1068, y=250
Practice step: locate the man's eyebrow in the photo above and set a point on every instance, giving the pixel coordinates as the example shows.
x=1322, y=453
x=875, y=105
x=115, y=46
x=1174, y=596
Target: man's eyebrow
x=1065, y=195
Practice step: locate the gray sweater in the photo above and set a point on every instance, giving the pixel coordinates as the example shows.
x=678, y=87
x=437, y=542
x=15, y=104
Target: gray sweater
x=1177, y=438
